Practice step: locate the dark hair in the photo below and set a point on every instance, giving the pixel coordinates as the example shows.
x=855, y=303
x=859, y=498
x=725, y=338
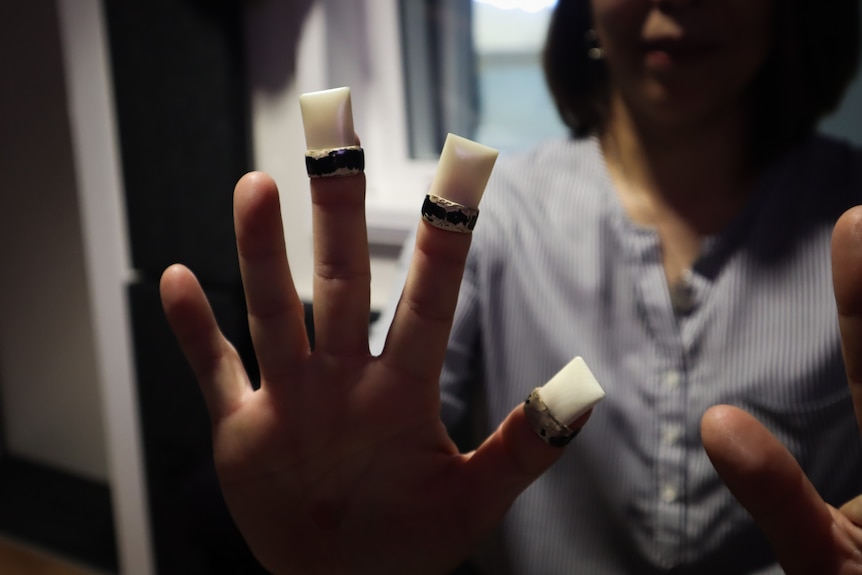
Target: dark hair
x=577, y=83
x=813, y=59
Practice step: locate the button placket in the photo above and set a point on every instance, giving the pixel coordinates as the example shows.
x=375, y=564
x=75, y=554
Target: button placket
x=667, y=453
x=670, y=380
x=670, y=464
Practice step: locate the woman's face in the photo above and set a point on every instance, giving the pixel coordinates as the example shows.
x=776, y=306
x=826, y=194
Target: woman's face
x=680, y=60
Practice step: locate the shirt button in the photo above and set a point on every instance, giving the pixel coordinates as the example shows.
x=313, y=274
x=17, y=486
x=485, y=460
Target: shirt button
x=671, y=380
x=670, y=434
x=682, y=294
x=682, y=299
x=668, y=494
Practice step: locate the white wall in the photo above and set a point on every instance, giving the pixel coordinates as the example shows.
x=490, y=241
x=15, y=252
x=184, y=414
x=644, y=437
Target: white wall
x=89, y=101
x=278, y=136
x=51, y=406
x=66, y=389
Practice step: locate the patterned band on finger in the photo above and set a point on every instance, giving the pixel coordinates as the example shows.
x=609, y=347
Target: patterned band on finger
x=448, y=215
x=546, y=425
x=345, y=161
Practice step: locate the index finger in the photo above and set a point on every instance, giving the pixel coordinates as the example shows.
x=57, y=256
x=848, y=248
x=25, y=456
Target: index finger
x=766, y=479
x=847, y=283
x=417, y=339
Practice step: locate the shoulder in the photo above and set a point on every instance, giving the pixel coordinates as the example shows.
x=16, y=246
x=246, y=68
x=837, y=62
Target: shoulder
x=823, y=147
x=803, y=193
x=818, y=179
x=826, y=167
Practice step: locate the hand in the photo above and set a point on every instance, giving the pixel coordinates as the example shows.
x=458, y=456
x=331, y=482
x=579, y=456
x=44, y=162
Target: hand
x=339, y=462
x=809, y=536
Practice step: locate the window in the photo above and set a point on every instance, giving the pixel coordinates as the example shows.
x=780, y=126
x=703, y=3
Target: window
x=473, y=67
x=516, y=111
x=419, y=69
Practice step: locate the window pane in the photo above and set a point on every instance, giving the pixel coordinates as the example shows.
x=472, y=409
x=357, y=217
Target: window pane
x=473, y=67
x=516, y=110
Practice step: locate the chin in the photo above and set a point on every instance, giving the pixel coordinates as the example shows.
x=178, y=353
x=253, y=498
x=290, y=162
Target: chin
x=687, y=102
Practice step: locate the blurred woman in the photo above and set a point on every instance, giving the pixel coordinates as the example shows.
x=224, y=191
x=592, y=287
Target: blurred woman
x=678, y=240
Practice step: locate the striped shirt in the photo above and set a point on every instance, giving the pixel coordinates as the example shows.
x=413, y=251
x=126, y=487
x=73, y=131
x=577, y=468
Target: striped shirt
x=557, y=269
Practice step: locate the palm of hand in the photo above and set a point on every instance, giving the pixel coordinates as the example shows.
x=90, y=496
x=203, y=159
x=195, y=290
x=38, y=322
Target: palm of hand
x=339, y=463
x=301, y=468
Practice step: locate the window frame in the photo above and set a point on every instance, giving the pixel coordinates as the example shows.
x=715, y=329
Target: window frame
x=373, y=69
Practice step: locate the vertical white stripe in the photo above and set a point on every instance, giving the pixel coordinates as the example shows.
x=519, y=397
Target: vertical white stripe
x=100, y=192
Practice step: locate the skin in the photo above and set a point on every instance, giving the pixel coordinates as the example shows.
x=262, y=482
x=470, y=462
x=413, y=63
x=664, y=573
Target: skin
x=393, y=495
x=339, y=462
x=679, y=64
x=677, y=124
x=679, y=74
x=808, y=535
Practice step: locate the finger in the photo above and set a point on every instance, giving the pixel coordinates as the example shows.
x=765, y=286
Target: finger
x=769, y=483
x=276, y=316
x=530, y=439
x=417, y=339
x=506, y=464
x=342, y=273
x=853, y=510
x=847, y=282
x=213, y=359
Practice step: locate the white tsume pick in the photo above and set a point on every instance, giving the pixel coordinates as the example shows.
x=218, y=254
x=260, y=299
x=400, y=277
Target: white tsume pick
x=571, y=392
x=463, y=171
x=327, y=117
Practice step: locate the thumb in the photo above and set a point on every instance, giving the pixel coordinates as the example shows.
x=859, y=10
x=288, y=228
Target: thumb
x=529, y=441
x=769, y=483
x=847, y=280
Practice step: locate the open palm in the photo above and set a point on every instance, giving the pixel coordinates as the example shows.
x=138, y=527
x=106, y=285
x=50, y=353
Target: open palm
x=339, y=462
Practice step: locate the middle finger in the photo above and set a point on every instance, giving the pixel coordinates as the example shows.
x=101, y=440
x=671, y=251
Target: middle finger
x=342, y=272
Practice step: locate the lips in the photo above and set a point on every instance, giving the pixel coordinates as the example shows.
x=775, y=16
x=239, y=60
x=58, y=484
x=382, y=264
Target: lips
x=669, y=51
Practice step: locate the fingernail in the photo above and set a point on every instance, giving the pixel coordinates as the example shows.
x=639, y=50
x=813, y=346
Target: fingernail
x=330, y=140
x=561, y=401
